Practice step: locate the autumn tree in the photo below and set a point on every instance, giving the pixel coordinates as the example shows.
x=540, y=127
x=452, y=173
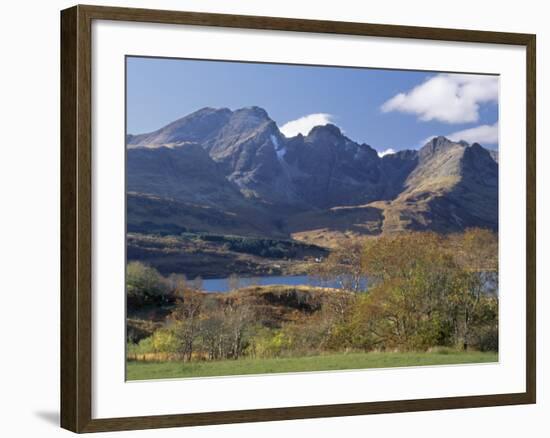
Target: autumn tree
x=196, y=284
x=343, y=266
x=176, y=281
x=422, y=296
x=186, y=317
x=238, y=318
x=213, y=336
x=476, y=249
x=233, y=282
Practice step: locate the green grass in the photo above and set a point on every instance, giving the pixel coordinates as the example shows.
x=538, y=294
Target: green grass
x=341, y=361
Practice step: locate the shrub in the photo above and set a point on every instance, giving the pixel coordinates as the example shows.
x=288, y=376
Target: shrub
x=144, y=285
x=270, y=343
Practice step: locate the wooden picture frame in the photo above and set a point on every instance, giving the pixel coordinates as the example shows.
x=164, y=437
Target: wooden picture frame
x=76, y=218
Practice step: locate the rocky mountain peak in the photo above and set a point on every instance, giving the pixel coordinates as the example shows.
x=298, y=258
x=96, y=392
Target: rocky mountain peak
x=253, y=111
x=477, y=146
x=208, y=110
x=241, y=124
x=195, y=127
x=439, y=144
x=328, y=130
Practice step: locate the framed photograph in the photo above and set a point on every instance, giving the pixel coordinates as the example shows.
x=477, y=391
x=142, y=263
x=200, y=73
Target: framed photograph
x=269, y=218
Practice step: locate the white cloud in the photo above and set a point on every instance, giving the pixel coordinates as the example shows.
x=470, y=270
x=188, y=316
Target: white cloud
x=388, y=151
x=305, y=124
x=449, y=98
x=483, y=134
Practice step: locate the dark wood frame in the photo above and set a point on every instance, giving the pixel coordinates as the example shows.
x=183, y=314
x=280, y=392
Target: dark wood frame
x=76, y=174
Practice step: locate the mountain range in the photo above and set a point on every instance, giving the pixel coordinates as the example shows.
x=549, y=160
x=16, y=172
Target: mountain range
x=234, y=172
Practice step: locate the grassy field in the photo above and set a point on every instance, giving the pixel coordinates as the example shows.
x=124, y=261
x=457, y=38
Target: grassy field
x=163, y=370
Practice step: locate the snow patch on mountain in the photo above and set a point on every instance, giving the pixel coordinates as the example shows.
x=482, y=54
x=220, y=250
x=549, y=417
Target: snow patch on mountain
x=280, y=151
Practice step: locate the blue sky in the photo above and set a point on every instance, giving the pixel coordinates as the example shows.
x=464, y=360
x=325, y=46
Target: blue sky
x=388, y=109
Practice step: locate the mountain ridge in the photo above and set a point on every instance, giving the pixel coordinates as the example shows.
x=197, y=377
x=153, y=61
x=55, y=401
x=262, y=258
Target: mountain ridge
x=239, y=161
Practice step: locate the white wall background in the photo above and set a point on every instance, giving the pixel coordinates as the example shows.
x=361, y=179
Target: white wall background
x=29, y=219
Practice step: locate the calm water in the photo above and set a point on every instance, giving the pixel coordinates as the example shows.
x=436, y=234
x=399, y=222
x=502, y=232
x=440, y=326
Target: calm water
x=222, y=284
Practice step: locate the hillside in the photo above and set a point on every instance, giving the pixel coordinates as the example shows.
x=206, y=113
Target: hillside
x=214, y=256
x=233, y=172
x=453, y=187
x=272, y=306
